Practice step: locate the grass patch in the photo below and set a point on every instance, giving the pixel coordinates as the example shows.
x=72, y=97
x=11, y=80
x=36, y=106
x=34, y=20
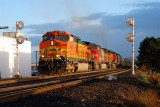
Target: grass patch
x=145, y=79
x=158, y=91
x=148, y=78
x=148, y=98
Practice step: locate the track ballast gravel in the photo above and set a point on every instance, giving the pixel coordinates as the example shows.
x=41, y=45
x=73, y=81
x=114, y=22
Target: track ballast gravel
x=98, y=92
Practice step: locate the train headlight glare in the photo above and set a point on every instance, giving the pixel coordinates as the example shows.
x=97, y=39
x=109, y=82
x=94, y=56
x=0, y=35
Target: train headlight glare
x=42, y=56
x=57, y=55
x=52, y=43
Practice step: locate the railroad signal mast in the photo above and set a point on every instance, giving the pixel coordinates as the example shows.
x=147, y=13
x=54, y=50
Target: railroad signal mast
x=20, y=40
x=130, y=38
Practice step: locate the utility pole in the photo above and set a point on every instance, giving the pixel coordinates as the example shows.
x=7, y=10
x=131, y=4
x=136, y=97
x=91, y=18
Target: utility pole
x=36, y=59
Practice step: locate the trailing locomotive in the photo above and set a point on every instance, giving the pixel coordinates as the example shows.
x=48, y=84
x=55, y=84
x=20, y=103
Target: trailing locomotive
x=64, y=52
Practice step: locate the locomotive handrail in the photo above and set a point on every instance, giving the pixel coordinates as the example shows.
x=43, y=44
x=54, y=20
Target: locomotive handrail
x=62, y=55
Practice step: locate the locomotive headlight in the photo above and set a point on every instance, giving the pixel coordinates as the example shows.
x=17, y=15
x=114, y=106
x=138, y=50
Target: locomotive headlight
x=57, y=55
x=42, y=56
x=52, y=43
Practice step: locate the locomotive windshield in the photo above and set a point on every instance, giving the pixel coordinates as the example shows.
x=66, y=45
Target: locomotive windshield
x=94, y=47
x=63, y=38
x=48, y=37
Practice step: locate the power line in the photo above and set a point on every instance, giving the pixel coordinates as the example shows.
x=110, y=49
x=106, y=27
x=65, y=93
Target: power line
x=4, y=27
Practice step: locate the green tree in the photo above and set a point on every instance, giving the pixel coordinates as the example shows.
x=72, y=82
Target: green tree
x=127, y=61
x=158, y=54
x=149, y=53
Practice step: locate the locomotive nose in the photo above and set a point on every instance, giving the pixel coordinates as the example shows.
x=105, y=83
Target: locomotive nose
x=57, y=53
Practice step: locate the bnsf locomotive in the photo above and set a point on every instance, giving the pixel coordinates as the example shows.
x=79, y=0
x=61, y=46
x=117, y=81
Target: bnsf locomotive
x=63, y=52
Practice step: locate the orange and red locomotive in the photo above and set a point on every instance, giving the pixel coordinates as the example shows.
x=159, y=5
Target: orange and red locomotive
x=64, y=52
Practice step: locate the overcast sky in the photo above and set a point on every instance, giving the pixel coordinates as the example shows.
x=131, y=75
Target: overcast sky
x=100, y=21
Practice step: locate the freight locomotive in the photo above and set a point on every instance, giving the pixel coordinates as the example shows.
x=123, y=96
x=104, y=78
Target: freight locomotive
x=61, y=52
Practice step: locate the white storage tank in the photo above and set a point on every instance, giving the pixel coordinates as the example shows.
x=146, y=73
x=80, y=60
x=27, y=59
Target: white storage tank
x=8, y=57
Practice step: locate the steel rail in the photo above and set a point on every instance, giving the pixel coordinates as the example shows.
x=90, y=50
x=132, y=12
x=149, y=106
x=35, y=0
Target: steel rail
x=42, y=77
x=46, y=83
x=15, y=93
x=23, y=81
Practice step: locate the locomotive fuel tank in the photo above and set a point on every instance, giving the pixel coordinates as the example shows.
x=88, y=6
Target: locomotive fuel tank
x=103, y=66
x=83, y=67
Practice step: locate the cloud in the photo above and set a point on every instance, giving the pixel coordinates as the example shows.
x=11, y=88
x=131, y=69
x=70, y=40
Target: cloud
x=83, y=27
x=43, y=28
x=35, y=40
x=109, y=30
x=147, y=5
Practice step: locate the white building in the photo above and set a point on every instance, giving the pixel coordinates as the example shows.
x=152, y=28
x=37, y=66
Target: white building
x=8, y=57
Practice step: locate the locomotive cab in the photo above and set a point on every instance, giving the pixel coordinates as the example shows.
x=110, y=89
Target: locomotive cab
x=53, y=45
x=53, y=50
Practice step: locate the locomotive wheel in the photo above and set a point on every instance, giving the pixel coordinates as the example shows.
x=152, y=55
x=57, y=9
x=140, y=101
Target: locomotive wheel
x=58, y=72
x=76, y=68
x=52, y=72
x=62, y=69
x=70, y=68
x=90, y=68
x=99, y=67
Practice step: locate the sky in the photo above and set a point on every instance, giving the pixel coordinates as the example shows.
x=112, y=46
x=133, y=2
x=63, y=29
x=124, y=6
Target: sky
x=99, y=21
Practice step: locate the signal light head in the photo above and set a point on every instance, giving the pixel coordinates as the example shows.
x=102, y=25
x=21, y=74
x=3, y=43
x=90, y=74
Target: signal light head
x=130, y=21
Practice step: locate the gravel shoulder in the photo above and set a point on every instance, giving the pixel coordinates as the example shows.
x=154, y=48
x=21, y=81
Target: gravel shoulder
x=126, y=90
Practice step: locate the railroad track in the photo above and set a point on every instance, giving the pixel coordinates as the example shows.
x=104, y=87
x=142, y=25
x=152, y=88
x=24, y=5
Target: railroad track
x=43, y=78
x=12, y=93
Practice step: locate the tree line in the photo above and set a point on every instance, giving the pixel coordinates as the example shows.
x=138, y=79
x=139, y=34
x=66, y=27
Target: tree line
x=149, y=54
